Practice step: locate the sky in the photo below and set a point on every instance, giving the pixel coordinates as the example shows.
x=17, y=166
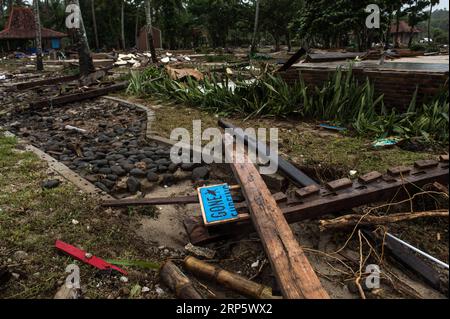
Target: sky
x=443, y=5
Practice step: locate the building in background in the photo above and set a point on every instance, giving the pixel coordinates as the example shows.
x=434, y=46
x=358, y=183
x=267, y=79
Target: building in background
x=20, y=33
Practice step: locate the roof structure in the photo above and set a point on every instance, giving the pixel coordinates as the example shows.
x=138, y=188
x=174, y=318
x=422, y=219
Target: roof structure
x=404, y=27
x=21, y=26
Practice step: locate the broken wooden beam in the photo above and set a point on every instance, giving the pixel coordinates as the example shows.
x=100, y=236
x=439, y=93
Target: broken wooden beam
x=228, y=279
x=292, y=60
x=32, y=84
x=292, y=269
x=172, y=276
x=327, y=202
x=362, y=220
x=76, y=97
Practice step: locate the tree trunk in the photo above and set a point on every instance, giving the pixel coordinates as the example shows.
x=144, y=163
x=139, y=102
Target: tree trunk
x=148, y=17
x=255, y=28
x=82, y=44
x=136, y=33
x=429, y=23
x=122, y=25
x=37, y=23
x=94, y=24
x=288, y=40
x=397, y=34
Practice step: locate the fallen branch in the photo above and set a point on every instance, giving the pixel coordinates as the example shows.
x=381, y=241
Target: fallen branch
x=353, y=220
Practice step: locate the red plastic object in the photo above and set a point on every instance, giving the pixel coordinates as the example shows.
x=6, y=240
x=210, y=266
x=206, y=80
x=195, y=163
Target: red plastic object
x=81, y=255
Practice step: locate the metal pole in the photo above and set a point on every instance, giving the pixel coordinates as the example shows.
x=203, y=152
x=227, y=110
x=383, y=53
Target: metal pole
x=437, y=261
x=292, y=172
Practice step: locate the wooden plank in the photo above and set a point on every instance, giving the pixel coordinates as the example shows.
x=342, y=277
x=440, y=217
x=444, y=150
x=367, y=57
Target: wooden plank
x=340, y=184
x=32, y=84
x=293, y=271
x=70, y=98
x=293, y=59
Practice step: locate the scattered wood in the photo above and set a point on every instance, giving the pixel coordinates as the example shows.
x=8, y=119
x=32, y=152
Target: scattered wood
x=32, y=84
x=76, y=97
x=94, y=77
x=293, y=271
x=228, y=279
x=172, y=276
x=353, y=220
x=293, y=59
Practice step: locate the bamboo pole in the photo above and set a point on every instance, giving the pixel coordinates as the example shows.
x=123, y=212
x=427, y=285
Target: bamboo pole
x=172, y=276
x=230, y=280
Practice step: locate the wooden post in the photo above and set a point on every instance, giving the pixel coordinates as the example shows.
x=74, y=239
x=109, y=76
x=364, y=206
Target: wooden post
x=178, y=282
x=292, y=269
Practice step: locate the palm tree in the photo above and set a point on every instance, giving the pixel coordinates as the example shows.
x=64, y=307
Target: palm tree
x=148, y=17
x=37, y=23
x=255, y=29
x=81, y=40
x=94, y=24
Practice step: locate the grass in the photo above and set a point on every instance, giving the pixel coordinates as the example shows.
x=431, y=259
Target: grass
x=342, y=100
x=300, y=142
x=32, y=219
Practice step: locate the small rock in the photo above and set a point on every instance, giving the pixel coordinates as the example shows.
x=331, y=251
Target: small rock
x=123, y=279
x=200, y=173
x=133, y=185
x=146, y=186
x=255, y=264
x=145, y=289
x=136, y=172
x=20, y=255
x=75, y=222
x=50, y=184
x=152, y=177
x=168, y=180
x=118, y=170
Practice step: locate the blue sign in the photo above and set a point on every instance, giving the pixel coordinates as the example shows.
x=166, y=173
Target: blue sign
x=217, y=204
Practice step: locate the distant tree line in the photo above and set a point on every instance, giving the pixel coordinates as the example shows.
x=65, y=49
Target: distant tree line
x=224, y=23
